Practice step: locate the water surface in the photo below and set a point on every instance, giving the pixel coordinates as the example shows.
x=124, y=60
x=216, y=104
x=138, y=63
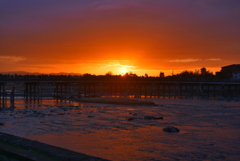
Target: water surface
x=209, y=129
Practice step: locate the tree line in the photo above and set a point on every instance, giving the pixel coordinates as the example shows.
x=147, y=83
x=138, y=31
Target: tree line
x=198, y=75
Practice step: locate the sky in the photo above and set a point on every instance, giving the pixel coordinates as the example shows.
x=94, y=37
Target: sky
x=118, y=36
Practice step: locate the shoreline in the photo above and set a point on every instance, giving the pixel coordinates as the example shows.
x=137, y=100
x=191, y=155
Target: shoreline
x=26, y=149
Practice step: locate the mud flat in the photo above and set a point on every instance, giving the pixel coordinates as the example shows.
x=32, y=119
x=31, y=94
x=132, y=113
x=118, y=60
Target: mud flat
x=115, y=100
x=209, y=128
x=21, y=149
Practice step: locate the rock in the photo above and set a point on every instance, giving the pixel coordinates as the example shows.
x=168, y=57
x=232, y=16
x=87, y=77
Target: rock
x=158, y=117
x=129, y=119
x=152, y=117
x=171, y=129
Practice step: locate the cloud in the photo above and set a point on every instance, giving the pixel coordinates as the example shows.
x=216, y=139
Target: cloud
x=185, y=60
x=11, y=58
x=117, y=64
x=214, y=59
x=113, y=64
x=193, y=60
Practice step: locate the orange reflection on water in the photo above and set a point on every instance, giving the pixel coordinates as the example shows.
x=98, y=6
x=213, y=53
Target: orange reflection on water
x=208, y=129
x=113, y=144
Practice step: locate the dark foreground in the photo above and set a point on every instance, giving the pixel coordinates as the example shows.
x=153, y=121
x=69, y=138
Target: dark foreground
x=20, y=149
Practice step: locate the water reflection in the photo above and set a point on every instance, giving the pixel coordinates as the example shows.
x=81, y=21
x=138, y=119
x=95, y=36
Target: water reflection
x=104, y=130
x=21, y=103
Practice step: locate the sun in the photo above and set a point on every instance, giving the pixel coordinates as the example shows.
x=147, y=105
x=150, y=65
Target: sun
x=123, y=70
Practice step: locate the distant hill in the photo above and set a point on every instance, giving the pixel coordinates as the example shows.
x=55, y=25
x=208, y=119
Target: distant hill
x=36, y=73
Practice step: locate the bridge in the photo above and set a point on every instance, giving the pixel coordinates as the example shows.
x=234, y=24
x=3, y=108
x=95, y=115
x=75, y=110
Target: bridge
x=65, y=89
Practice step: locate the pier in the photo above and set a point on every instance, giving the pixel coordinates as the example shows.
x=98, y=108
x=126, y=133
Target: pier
x=32, y=91
x=35, y=90
x=2, y=93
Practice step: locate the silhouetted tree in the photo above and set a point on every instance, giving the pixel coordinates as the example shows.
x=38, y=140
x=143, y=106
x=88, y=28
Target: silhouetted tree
x=161, y=75
x=205, y=72
x=132, y=74
x=109, y=73
x=186, y=75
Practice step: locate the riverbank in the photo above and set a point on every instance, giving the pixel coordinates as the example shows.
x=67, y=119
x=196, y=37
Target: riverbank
x=22, y=149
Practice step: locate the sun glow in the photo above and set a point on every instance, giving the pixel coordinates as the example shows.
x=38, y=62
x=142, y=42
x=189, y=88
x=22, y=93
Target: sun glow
x=118, y=67
x=124, y=70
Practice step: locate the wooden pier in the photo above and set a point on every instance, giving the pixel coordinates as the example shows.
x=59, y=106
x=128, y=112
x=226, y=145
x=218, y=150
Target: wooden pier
x=2, y=93
x=32, y=91
x=35, y=90
x=158, y=89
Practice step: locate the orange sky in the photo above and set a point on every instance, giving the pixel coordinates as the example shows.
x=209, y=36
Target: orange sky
x=98, y=36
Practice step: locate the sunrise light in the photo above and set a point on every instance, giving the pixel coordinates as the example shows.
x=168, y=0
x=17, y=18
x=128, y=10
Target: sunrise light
x=118, y=36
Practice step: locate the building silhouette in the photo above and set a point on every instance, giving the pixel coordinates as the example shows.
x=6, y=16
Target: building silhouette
x=230, y=71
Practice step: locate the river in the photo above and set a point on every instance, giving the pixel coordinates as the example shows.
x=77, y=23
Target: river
x=209, y=128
